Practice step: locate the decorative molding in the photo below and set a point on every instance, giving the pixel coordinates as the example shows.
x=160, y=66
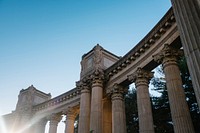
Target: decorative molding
x=151, y=38
x=97, y=77
x=168, y=54
x=117, y=92
x=57, y=100
x=141, y=76
x=70, y=113
x=54, y=118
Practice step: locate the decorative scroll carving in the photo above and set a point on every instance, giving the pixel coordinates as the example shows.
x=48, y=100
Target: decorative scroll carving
x=70, y=113
x=83, y=84
x=117, y=92
x=140, y=74
x=97, y=76
x=168, y=54
x=55, y=118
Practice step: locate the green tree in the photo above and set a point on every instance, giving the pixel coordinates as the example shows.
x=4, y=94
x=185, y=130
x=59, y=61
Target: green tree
x=160, y=104
x=161, y=109
x=190, y=95
x=131, y=111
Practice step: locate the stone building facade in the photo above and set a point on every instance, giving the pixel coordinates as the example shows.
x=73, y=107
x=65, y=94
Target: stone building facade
x=98, y=97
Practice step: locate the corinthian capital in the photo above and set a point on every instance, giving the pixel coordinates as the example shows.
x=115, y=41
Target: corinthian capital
x=55, y=118
x=117, y=89
x=97, y=76
x=70, y=112
x=117, y=92
x=168, y=53
x=140, y=74
x=83, y=84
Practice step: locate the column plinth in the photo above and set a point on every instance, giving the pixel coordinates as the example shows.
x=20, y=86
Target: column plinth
x=179, y=109
x=141, y=79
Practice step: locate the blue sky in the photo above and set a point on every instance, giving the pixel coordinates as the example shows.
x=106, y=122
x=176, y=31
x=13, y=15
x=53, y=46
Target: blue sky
x=42, y=41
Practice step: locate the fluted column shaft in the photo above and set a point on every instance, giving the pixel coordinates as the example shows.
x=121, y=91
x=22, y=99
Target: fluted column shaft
x=179, y=109
x=69, y=123
x=40, y=126
x=188, y=20
x=118, y=110
x=141, y=78
x=96, y=107
x=107, y=115
x=84, y=116
x=54, y=120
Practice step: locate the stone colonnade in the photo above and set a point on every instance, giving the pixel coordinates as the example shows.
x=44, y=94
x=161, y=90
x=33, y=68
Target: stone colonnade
x=54, y=119
x=179, y=109
x=188, y=20
x=100, y=107
x=92, y=102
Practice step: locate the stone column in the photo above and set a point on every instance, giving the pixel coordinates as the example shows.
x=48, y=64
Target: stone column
x=107, y=115
x=179, y=109
x=141, y=79
x=40, y=126
x=188, y=20
x=118, y=110
x=54, y=120
x=70, y=118
x=25, y=122
x=96, y=102
x=84, y=116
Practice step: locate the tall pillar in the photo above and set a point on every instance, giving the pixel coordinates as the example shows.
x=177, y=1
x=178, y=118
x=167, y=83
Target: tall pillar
x=179, y=109
x=25, y=122
x=40, y=126
x=188, y=20
x=70, y=119
x=141, y=79
x=107, y=115
x=96, y=102
x=84, y=116
x=118, y=109
x=54, y=120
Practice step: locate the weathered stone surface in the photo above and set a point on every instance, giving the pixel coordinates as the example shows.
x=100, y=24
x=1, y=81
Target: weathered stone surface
x=179, y=109
x=84, y=116
x=118, y=109
x=54, y=120
x=188, y=20
x=141, y=79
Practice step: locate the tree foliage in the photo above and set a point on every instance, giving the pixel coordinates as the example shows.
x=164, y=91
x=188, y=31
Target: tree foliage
x=160, y=104
x=131, y=111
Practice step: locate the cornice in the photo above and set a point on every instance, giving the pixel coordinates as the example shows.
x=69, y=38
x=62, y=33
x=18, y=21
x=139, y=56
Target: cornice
x=57, y=100
x=157, y=32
